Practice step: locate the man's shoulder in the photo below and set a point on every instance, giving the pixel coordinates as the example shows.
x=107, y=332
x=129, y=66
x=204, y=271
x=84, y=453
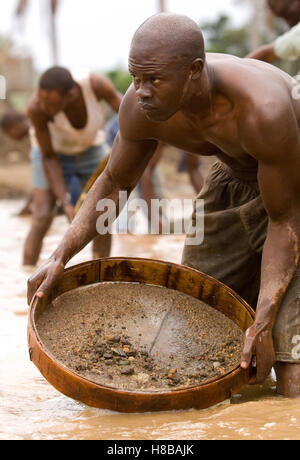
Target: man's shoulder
x=33, y=107
x=265, y=122
x=261, y=91
x=269, y=104
x=35, y=112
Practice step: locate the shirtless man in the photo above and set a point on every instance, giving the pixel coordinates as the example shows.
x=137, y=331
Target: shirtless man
x=241, y=111
x=67, y=117
x=17, y=127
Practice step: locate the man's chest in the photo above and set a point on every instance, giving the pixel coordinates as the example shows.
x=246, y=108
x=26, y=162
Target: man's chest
x=222, y=135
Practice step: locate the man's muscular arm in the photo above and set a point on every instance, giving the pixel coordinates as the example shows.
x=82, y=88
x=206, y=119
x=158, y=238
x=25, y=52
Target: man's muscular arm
x=274, y=141
x=104, y=89
x=265, y=53
x=129, y=157
x=51, y=164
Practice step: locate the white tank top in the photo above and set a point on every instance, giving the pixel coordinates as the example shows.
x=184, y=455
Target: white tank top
x=68, y=140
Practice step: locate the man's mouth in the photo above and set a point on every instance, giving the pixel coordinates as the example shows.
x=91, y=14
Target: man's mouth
x=147, y=107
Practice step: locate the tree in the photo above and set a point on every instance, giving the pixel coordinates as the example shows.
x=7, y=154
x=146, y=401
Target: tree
x=221, y=37
x=51, y=11
x=120, y=78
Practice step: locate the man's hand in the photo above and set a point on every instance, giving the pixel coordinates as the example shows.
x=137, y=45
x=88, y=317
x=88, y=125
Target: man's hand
x=258, y=344
x=41, y=282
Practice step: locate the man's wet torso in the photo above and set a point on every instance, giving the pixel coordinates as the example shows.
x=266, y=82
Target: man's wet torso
x=244, y=87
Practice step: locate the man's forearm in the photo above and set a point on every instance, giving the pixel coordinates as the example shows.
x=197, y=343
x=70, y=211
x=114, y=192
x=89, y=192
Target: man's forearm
x=265, y=53
x=84, y=226
x=279, y=262
x=55, y=176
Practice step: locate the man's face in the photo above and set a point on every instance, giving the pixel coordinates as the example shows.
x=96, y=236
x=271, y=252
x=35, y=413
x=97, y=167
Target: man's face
x=52, y=102
x=160, y=85
x=18, y=130
x=289, y=10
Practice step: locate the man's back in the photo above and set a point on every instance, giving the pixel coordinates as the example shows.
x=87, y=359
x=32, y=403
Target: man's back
x=244, y=91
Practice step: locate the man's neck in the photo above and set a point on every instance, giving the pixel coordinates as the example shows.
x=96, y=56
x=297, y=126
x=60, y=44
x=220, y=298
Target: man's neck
x=76, y=100
x=200, y=101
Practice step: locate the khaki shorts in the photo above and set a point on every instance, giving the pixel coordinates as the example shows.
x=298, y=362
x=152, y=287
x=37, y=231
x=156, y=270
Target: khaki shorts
x=235, y=228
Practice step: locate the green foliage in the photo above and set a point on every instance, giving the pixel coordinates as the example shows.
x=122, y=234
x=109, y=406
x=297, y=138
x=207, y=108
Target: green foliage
x=120, y=78
x=221, y=37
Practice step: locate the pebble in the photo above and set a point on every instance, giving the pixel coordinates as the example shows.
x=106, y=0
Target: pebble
x=171, y=373
x=124, y=363
x=119, y=352
x=127, y=371
x=142, y=378
x=107, y=355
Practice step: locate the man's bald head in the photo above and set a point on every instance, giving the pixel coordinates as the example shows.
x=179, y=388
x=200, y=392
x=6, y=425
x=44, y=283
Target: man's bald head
x=175, y=36
x=166, y=61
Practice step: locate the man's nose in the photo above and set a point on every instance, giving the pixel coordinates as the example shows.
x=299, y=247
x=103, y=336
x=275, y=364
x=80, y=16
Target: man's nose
x=143, y=92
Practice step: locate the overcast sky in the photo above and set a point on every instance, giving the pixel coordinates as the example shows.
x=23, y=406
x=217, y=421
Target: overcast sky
x=96, y=34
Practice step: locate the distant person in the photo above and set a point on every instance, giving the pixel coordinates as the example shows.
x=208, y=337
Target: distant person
x=287, y=46
x=16, y=126
x=67, y=119
x=191, y=164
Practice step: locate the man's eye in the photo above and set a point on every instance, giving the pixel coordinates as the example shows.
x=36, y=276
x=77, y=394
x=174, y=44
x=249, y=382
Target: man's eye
x=154, y=80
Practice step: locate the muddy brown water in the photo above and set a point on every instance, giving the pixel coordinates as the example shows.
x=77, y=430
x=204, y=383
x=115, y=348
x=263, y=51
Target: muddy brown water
x=31, y=409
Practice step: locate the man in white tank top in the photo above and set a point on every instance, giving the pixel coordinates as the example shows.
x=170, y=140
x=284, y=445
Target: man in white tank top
x=67, y=119
x=286, y=46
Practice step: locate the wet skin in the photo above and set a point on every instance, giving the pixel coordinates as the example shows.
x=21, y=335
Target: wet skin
x=242, y=112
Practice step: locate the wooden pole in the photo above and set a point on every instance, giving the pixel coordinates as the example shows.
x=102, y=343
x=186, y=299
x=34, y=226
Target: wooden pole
x=162, y=6
x=53, y=34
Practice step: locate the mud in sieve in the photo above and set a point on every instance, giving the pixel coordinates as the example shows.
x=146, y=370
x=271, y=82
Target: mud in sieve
x=139, y=337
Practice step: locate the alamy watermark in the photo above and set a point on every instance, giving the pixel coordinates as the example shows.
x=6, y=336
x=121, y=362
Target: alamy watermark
x=2, y=87
x=296, y=349
x=161, y=217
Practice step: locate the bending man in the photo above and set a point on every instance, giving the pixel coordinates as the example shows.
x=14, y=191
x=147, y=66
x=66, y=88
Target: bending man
x=242, y=111
x=67, y=118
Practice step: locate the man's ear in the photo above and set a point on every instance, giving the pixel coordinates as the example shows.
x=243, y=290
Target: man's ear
x=196, y=68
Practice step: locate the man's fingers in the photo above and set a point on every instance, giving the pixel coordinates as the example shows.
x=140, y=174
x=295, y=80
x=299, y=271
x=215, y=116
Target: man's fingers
x=40, y=284
x=247, y=354
x=44, y=288
x=37, y=288
x=265, y=363
x=31, y=289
